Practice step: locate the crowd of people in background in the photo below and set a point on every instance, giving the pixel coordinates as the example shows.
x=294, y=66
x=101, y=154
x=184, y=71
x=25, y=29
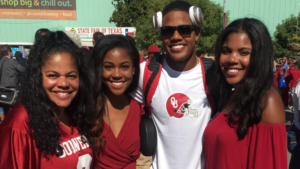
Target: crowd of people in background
x=286, y=81
x=82, y=107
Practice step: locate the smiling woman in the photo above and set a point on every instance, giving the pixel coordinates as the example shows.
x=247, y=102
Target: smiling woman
x=251, y=124
x=235, y=57
x=53, y=120
x=60, y=79
x=118, y=71
x=116, y=127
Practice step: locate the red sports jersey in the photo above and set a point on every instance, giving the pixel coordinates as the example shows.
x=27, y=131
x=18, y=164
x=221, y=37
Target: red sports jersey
x=293, y=74
x=18, y=147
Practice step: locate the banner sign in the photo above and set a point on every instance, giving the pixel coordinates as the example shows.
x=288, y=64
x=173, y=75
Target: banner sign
x=38, y=9
x=86, y=33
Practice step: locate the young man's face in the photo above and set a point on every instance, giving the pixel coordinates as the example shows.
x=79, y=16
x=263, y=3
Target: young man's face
x=284, y=58
x=178, y=47
x=290, y=60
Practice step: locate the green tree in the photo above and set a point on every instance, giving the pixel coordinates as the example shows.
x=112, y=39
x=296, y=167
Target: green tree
x=283, y=35
x=138, y=13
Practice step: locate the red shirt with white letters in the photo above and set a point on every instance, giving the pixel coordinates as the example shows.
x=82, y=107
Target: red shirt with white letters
x=18, y=147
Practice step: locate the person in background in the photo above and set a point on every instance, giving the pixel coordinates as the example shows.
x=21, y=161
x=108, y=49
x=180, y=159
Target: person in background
x=10, y=68
x=290, y=61
x=277, y=75
x=152, y=50
x=292, y=76
x=116, y=130
x=200, y=53
x=10, y=72
x=96, y=37
x=285, y=90
x=294, y=162
x=49, y=128
x=43, y=32
x=249, y=132
x=20, y=58
x=21, y=61
x=284, y=64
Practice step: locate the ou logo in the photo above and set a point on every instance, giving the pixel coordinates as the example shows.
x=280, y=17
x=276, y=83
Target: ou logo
x=178, y=105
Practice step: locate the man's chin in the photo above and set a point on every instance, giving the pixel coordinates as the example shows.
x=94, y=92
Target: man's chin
x=178, y=58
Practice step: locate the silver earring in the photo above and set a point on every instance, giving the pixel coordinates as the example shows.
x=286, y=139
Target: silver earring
x=133, y=73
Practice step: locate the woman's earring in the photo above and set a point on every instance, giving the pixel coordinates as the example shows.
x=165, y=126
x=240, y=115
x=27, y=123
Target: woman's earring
x=133, y=73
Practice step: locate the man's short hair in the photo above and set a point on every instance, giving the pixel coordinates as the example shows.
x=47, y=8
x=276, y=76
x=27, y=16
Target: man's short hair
x=177, y=6
x=18, y=54
x=4, y=49
x=97, y=36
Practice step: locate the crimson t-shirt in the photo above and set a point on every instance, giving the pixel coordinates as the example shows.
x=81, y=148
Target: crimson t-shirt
x=294, y=74
x=18, y=147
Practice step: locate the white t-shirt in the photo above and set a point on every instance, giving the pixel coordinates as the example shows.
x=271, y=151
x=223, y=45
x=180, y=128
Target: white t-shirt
x=296, y=100
x=181, y=112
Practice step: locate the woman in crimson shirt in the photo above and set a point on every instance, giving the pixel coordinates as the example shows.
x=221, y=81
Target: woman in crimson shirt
x=249, y=131
x=49, y=128
x=116, y=130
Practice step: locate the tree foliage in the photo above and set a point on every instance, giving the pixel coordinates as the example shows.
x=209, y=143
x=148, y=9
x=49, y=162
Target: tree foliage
x=138, y=13
x=283, y=35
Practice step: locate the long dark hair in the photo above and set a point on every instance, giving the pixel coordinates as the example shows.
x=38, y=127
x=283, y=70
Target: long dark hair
x=248, y=100
x=106, y=44
x=38, y=105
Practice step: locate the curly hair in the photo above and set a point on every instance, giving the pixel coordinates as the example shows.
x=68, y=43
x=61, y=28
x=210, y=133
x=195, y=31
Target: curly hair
x=38, y=105
x=247, y=102
x=39, y=34
x=106, y=44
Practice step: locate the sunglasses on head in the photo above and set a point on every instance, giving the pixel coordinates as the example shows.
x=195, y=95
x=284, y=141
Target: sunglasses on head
x=183, y=30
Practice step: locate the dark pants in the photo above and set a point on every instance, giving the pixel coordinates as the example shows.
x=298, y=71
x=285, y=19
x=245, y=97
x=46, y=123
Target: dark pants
x=285, y=95
x=295, y=159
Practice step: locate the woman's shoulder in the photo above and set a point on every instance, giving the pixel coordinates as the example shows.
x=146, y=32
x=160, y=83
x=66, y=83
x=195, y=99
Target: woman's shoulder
x=273, y=112
x=17, y=118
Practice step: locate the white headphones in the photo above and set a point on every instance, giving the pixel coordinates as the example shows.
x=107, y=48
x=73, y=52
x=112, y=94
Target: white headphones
x=195, y=13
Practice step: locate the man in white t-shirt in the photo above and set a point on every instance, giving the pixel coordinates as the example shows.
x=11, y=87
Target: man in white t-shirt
x=179, y=107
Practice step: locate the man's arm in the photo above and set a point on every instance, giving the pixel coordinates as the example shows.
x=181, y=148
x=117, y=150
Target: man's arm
x=285, y=66
x=18, y=67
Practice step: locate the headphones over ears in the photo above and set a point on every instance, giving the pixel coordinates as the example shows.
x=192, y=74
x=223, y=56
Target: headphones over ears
x=195, y=14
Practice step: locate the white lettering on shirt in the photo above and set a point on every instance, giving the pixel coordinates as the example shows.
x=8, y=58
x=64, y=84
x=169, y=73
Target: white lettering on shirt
x=72, y=146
